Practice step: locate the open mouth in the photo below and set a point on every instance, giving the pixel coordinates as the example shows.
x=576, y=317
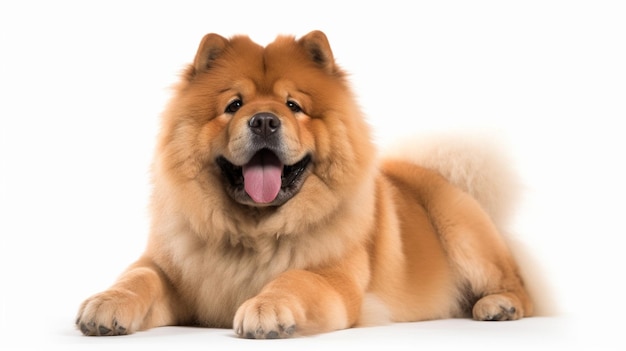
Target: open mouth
x=264, y=180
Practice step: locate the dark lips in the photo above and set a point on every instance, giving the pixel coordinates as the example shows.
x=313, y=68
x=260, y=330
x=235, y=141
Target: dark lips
x=292, y=179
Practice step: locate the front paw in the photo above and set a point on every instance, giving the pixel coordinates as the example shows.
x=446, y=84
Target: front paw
x=113, y=312
x=267, y=317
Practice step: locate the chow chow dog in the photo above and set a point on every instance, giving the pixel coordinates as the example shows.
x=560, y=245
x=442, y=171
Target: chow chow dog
x=272, y=212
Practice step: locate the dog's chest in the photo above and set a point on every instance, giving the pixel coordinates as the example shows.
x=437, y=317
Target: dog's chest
x=214, y=279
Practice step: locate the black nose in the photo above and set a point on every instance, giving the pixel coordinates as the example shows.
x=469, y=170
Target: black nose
x=264, y=124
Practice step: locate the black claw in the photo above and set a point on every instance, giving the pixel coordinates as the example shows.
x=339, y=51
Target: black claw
x=495, y=317
x=290, y=330
x=120, y=330
x=249, y=335
x=103, y=330
x=84, y=329
x=512, y=310
x=272, y=335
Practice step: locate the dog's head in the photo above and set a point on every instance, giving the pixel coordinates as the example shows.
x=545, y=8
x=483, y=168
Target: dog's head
x=265, y=127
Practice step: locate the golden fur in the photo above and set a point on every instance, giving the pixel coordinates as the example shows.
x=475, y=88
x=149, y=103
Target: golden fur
x=347, y=240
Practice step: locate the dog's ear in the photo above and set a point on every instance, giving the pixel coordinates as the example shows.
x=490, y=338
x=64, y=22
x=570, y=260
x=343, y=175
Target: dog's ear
x=317, y=47
x=211, y=46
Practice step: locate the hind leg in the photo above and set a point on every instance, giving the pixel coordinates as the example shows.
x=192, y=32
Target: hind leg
x=498, y=307
x=486, y=274
x=483, y=261
x=495, y=283
x=496, y=288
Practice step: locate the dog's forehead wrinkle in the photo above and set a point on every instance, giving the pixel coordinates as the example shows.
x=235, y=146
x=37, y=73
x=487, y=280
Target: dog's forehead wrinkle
x=263, y=68
x=264, y=63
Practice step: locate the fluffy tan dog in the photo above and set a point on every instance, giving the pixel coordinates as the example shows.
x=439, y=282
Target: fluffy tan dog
x=272, y=215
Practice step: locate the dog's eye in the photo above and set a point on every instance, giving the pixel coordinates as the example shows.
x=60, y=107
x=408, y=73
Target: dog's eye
x=234, y=106
x=294, y=107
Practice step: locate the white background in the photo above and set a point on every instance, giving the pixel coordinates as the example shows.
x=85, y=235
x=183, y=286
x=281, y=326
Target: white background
x=82, y=85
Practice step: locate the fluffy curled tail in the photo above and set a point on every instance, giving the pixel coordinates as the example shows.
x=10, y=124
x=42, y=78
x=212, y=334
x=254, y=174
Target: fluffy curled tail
x=476, y=164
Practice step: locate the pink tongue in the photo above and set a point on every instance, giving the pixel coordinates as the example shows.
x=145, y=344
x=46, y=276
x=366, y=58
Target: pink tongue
x=261, y=176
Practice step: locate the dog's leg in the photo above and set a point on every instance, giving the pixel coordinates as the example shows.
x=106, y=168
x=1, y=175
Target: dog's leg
x=483, y=259
x=487, y=274
x=139, y=300
x=301, y=302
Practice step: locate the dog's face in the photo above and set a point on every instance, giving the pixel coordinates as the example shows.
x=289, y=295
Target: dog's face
x=263, y=163
x=265, y=145
x=261, y=127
